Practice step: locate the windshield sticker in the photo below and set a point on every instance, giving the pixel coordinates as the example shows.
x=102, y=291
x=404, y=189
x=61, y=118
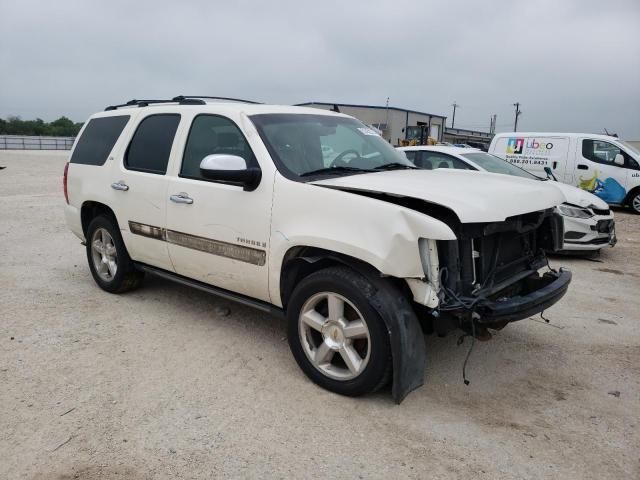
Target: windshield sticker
x=368, y=131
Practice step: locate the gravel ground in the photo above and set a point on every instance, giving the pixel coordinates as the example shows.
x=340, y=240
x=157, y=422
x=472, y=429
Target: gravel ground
x=168, y=382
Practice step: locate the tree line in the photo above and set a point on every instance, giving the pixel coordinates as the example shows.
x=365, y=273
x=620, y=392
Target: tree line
x=62, y=127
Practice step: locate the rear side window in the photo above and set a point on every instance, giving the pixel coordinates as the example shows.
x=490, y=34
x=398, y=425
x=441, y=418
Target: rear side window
x=434, y=160
x=151, y=144
x=98, y=139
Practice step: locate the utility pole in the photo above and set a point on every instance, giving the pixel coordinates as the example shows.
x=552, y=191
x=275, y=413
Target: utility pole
x=453, y=120
x=518, y=113
x=492, y=123
x=386, y=125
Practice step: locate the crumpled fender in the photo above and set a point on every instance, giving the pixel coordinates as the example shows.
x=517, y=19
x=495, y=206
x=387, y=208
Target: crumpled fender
x=408, y=351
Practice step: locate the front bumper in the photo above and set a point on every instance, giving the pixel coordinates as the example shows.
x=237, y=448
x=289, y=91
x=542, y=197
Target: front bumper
x=542, y=293
x=588, y=234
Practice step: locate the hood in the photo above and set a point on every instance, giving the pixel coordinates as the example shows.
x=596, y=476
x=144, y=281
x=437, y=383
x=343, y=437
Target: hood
x=473, y=196
x=579, y=197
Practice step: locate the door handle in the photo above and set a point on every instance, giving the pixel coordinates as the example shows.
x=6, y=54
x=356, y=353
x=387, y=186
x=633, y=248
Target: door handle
x=120, y=186
x=181, y=198
x=582, y=166
x=555, y=165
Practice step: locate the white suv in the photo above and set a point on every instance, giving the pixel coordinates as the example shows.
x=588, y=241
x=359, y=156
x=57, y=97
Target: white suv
x=361, y=254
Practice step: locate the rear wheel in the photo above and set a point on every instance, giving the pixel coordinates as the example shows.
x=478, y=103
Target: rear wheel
x=109, y=262
x=336, y=335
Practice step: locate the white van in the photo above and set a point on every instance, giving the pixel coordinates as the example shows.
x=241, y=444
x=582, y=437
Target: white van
x=600, y=164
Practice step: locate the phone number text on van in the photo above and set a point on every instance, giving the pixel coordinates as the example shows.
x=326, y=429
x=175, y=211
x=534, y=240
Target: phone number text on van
x=527, y=161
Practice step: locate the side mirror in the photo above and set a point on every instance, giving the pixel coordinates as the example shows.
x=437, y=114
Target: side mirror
x=550, y=174
x=619, y=159
x=230, y=169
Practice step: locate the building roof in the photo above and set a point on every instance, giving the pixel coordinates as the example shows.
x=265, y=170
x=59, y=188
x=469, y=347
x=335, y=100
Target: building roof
x=464, y=132
x=377, y=107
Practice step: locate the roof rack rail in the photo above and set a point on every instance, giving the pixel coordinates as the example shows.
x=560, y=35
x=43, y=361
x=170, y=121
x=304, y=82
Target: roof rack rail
x=231, y=99
x=146, y=103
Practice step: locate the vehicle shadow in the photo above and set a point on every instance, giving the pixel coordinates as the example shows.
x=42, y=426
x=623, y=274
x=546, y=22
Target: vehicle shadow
x=445, y=356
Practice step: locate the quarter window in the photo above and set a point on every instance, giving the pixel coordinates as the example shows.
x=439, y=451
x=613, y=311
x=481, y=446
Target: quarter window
x=209, y=135
x=98, y=139
x=150, y=146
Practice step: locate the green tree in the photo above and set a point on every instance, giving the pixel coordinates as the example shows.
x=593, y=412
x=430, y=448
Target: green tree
x=62, y=127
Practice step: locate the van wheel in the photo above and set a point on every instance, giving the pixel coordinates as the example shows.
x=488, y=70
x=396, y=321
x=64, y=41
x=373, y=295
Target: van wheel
x=335, y=334
x=634, y=201
x=109, y=262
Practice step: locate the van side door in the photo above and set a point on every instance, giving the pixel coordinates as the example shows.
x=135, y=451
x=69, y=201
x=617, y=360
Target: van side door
x=598, y=173
x=218, y=233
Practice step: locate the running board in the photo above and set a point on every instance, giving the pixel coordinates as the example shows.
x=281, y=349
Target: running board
x=220, y=292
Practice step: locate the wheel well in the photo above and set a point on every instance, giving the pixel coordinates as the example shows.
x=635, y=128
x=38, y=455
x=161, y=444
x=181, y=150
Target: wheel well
x=91, y=210
x=300, y=262
x=631, y=194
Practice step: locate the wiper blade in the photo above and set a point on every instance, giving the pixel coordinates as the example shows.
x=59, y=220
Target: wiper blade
x=332, y=170
x=395, y=166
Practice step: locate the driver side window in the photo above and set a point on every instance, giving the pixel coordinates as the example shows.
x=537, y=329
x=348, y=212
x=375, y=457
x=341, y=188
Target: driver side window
x=209, y=135
x=600, y=152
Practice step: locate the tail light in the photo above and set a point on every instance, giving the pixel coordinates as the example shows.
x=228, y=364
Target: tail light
x=64, y=182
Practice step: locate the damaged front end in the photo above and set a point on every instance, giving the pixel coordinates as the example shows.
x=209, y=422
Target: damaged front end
x=491, y=275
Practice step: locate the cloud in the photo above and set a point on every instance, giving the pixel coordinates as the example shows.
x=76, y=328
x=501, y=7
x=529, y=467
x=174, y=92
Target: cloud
x=573, y=65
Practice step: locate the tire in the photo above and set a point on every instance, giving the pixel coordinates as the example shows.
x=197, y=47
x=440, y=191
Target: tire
x=314, y=329
x=110, y=247
x=634, y=202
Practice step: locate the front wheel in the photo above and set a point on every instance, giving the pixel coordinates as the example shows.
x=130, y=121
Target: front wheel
x=635, y=202
x=336, y=335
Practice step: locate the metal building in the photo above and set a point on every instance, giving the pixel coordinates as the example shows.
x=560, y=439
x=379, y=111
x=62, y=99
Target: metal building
x=473, y=138
x=396, y=124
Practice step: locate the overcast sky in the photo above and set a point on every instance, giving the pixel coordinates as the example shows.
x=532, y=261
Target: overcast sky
x=573, y=65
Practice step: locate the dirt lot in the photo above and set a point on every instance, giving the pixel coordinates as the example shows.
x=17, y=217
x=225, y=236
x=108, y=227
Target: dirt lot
x=160, y=383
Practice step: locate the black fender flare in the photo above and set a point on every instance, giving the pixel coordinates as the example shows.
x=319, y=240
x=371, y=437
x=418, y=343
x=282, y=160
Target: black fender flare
x=408, y=350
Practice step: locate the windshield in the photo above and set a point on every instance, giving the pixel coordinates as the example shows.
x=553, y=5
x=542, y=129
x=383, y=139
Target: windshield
x=630, y=147
x=307, y=144
x=493, y=164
